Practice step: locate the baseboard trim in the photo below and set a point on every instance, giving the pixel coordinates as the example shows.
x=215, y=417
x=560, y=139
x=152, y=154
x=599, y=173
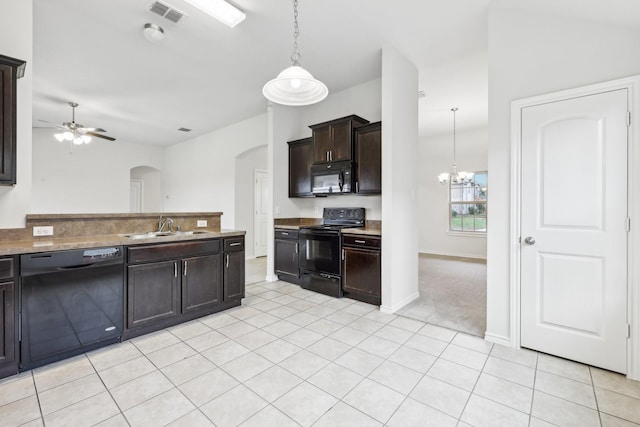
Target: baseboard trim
x=460, y=257
x=497, y=339
x=271, y=278
x=404, y=302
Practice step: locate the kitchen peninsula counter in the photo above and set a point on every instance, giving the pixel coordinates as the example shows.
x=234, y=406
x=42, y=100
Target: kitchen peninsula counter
x=77, y=231
x=40, y=244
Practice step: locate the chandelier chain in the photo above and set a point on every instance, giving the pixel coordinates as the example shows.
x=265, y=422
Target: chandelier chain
x=295, y=56
x=454, y=136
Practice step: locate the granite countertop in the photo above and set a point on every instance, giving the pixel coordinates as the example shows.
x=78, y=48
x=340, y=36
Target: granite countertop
x=288, y=226
x=372, y=228
x=45, y=244
x=368, y=231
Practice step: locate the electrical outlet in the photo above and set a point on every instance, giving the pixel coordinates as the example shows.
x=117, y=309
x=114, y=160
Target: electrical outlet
x=201, y=223
x=43, y=231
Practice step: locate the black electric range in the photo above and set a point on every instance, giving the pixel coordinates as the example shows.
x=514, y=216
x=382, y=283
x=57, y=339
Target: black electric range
x=320, y=257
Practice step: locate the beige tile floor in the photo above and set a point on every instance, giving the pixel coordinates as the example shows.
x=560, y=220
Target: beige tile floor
x=291, y=357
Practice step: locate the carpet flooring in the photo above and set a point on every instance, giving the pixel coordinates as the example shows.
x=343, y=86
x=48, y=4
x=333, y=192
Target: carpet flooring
x=453, y=294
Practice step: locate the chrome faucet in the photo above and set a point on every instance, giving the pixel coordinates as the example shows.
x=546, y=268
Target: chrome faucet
x=166, y=222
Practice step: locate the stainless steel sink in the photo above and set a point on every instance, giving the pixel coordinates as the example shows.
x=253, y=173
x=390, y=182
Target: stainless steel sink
x=152, y=234
x=189, y=233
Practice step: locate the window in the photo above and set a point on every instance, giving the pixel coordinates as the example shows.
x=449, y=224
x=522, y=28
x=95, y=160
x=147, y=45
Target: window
x=468, y=205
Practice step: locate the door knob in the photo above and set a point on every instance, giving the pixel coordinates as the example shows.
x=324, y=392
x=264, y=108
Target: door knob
x=530, y=240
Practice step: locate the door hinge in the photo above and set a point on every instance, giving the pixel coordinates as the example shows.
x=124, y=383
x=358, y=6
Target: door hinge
x=628, y=224
x=628, y=118
x=628, y=330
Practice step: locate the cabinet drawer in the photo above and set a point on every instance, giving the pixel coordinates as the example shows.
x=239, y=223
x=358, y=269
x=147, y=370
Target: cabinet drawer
x=234, y=244
x=7, y=269
x=172, y=250
x=286, y=234
x=362, y=241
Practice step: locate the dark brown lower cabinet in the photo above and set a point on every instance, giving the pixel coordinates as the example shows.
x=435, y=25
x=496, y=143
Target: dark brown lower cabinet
x=361, y=268
x=201, y=282
x=285, y=254
x=8, y=335
x=152, y=293
x=174, y=282
x=233, y=268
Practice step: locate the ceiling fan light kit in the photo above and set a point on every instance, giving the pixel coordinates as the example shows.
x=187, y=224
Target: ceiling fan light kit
x=295, y=86
x=152, y=32
x=220, y=10
x=76, y=133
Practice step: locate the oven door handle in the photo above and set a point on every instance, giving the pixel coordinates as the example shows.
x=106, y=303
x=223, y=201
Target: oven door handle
x=318, y=232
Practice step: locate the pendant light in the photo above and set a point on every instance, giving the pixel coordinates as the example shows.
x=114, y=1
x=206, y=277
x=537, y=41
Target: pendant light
x=295, y=86
x=455, y=177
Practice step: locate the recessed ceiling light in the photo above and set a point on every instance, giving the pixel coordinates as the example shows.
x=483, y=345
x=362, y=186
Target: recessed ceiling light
x=220, y=10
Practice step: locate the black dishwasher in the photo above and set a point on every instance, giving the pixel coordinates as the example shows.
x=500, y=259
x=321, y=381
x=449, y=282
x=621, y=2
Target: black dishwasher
x=71, y=302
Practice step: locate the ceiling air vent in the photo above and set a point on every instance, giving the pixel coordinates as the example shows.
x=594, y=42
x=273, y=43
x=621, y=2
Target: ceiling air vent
x=184, y=130
x=166, y=11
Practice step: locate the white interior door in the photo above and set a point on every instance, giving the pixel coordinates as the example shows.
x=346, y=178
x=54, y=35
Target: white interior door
x=135, y=195
x=261, y=197
x=574, y=210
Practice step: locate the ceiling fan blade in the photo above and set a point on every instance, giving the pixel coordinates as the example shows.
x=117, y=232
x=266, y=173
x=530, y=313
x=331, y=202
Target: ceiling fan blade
x=84, y=129
x=97, y=135
x=45, y=121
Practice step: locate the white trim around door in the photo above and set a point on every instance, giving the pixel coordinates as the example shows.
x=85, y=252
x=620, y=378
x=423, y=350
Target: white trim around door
x=633, y=197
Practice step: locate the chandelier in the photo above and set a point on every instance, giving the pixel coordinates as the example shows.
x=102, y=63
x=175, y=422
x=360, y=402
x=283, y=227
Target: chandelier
x=295, y=86
x=455, y=177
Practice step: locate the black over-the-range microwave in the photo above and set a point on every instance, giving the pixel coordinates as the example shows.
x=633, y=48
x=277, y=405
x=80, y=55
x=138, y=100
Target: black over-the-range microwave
x=332, y=178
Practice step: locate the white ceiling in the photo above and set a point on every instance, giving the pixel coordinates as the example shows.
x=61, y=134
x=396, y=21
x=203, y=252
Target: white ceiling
x=204, y=75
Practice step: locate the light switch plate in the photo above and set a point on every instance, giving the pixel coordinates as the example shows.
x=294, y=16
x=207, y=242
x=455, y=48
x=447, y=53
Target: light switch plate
x=201, y=223
x=43, y=231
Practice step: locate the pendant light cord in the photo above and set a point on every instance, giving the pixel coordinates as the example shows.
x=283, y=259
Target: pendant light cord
x=295, y=56
x=454, y=135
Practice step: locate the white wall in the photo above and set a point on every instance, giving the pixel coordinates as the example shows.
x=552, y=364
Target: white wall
x=152, y=187
x=246, y=164
x=363, y=100
x=399, y=181
x=199, y=174
x=95, y=178
x=435, y=154
x=16, y=41
x=532, y=54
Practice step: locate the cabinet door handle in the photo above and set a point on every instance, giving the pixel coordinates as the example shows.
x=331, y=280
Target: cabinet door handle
x=284, y=233
x=227, y=261
x=327, y=156
x=235, y=244
x=331, y=156
x=296, y=248
x=184, y=266
x=343, y=254
x=175, y=269
x=357, y=187
x=361, y=241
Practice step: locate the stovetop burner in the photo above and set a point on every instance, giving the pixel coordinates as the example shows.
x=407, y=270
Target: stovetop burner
x=338, y=218
x=330, y=227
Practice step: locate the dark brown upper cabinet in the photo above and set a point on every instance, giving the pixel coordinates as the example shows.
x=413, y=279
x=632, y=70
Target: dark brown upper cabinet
x=333, y=140
x=11, y=69
x=300, y=159
x=367, y=150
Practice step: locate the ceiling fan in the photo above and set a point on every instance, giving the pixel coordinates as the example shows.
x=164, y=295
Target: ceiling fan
x=75, y=132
